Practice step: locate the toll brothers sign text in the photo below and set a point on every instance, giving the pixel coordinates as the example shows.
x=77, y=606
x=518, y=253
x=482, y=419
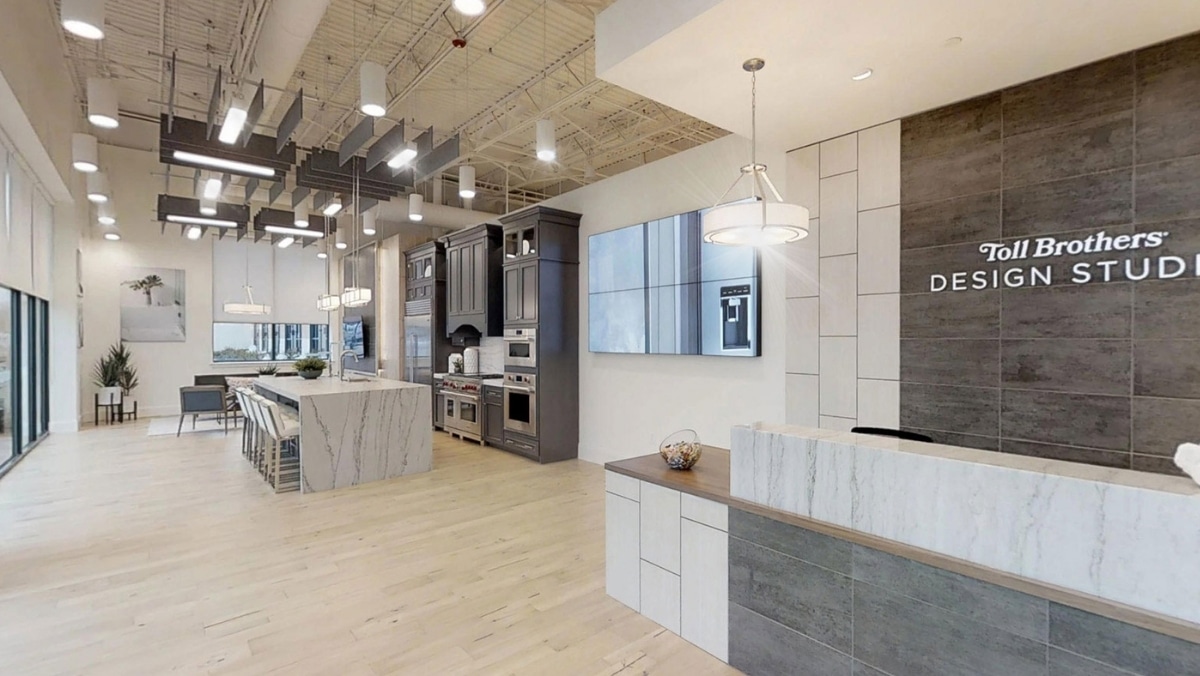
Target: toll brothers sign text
x=1122, y=266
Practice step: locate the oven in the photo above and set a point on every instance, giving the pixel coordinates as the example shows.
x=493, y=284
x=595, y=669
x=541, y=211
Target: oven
x=520, y=347
x=462, y=413
x=520, y=403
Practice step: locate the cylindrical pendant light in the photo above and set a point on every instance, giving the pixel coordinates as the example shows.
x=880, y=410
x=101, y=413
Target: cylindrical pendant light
x=102, y=103
x=368, y=226
x=195, y=232
x=301, y=218
x=84, y=153
x=84, y=18
x=545, y=141
x=112, y=233
x=323, y=249
x=105, y=215
x=470, y=7
x=466, y=181
x=97, y=187
x=208, y=207
x=339, y=238
x=372, y=83
x=416, y=205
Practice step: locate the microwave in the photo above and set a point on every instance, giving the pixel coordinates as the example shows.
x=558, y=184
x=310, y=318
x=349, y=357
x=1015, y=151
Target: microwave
x=520, y=347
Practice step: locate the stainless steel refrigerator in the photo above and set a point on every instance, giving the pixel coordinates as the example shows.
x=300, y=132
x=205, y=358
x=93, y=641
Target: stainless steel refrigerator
x=418, y=349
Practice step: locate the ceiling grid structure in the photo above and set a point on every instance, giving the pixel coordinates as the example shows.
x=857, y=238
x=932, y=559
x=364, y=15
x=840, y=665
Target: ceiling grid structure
x=523, y=59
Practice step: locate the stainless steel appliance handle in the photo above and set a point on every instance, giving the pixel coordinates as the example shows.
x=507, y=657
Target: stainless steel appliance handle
x=518, y=339
x=526, y=390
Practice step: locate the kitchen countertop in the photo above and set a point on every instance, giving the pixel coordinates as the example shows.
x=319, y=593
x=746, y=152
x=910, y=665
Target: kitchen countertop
x=297, y=388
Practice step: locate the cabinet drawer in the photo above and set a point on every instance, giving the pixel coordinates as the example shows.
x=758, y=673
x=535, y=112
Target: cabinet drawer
x=521, y=444
x=493, y=395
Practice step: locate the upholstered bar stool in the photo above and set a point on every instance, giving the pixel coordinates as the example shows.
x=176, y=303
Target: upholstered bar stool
x=282, y=429
x=262, y=437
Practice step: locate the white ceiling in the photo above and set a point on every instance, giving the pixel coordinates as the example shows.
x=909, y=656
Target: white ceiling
x=813, y=47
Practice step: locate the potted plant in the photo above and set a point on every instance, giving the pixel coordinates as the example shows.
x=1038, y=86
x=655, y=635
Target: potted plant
x=268, y=371
x=115, y=374
x=310, y=368
x=146, y=285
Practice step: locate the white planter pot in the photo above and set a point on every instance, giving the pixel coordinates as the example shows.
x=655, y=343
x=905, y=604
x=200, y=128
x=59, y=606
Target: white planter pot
x=110, y=395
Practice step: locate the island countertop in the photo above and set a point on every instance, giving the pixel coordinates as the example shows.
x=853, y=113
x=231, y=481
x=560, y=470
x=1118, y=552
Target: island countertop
x=298, y=388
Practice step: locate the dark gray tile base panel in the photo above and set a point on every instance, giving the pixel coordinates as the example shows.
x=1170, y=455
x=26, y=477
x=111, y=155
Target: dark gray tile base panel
x=912, y=619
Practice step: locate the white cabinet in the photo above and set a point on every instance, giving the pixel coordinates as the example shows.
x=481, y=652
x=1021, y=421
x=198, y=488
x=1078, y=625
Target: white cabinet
x=622, y=559
x=660, y=526
x=704, y=584
x=660, y=596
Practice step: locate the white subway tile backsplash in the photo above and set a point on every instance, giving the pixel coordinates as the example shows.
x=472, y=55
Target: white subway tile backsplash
x=879, y=250
x=839, y=377
x=831, y=422
x=804, y=179
x=803, y=262
x=839, y=155
x=839, y=215
x=879, y=403
x=839, y=296
x=803, y=335
x=803, y=400
x=879, y=336
x=879, y=166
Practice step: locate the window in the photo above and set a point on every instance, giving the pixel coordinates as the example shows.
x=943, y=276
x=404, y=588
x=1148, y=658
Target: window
x=237, y=342
x=24, y=374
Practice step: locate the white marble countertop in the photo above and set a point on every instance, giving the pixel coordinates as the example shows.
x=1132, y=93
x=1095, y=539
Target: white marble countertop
x=297, y=388
x=1074, y=470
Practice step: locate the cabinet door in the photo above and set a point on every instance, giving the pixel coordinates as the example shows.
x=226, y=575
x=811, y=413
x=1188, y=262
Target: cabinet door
x=529, y=292
x=513, y=297
x=704, y=557
x=493, y=424
x=479, y=276
x=455, y=268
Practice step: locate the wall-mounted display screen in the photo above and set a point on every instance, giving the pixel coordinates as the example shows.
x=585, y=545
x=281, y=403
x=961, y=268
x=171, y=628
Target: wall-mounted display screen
x=656, y=288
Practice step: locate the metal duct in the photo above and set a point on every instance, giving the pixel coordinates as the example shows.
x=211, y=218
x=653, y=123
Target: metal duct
x=286, y=31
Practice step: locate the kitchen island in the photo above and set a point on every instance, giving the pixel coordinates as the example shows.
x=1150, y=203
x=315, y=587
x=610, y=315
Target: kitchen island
x=356, y=432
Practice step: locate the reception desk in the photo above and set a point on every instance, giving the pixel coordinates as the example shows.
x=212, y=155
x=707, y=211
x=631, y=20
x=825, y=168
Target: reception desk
x=813, y=551
x=356, y=432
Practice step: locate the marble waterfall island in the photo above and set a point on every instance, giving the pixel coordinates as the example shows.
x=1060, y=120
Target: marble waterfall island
x=356, y=432
x=1123, y=536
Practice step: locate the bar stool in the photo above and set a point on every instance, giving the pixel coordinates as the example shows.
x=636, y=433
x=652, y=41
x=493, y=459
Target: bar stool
x=282, y=430
x=248, y=426
x=262, y=433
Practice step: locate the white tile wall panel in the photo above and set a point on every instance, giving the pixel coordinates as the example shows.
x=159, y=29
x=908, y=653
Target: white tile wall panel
x=839, y=296
x=839, y=215
x=879, y=250
x=803, y=404
x=879, y=403
x=879, y=336
x=803, y=335
x=879, y=166
x=804, y=179
x=839, y=155
x=839, y=377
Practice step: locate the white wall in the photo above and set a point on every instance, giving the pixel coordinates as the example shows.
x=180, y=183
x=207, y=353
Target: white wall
x=843, y=283
x=629, y=403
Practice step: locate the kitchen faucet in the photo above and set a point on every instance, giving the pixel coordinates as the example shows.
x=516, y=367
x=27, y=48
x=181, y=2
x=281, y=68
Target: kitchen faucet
x=342, y=363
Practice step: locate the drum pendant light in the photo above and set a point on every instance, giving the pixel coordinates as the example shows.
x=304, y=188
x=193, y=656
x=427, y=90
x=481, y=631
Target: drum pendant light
x=97, y=187
x=416, y=205
x=84, y=18
x=466, y=182
x=368, y=226
x=470, y=7
x=372, y=84
x=759, y=222
x=102, y=103
x=300, y=220
x=339, y=238
x=104, y=214
x=545, y=141
x=84, y=153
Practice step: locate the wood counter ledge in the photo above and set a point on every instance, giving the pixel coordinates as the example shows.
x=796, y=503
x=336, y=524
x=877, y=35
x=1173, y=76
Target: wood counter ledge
x=709, y=479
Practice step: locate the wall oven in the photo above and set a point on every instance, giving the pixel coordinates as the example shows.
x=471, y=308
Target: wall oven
x=520, y=347
x=520, y=403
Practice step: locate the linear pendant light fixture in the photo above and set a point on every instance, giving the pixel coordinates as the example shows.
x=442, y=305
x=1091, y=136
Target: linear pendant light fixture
x=759, y=222
x=97, y=187
x=249, y=307
x=84, y=18
x=212, y=188
x=293, y=232
x=407, y=154
x=198, y=220
x=334, y=206
x=372, y=87
x=102, y=103
x=84, y=153
x=235, y=119
x=219, y=163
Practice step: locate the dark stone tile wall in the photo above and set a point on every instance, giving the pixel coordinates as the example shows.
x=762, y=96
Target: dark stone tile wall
x=1106, y=372
x=802, y=602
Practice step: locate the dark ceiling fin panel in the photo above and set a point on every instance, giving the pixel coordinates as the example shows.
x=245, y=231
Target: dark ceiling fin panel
x=436, y=160
x=214, y=105
x=388, y=145
x=356, y=139
x=276, y=192
x=253, y=113
x=291, y=120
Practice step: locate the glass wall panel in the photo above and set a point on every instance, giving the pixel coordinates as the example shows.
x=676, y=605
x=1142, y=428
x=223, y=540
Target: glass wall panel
x=25, y=369
x=7, y=447
x=236, y=342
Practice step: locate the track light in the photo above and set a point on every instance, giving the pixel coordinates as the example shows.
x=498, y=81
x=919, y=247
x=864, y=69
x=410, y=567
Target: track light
x=235, y=119
x=228, y=165
x=416, y=204
x=333, y=207
x=102, y=103
x=286, y=242
x=368, y=219
x=470, y=7
x=300, y=220
x=105, y=214
x=97, y=187
x=84, y=18
x=372, y=88
x=545, y=141
x=407, y=154
x=84, y=153
x=194, y=232
x=212, y=188
x=208, y=207
x=466, y=182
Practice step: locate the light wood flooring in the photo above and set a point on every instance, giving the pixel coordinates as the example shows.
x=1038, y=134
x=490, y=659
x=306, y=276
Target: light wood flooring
x=134, y=555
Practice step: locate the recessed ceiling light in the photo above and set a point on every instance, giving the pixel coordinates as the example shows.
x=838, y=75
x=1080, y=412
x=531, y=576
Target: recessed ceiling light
x=952, y=42
x=863, y=75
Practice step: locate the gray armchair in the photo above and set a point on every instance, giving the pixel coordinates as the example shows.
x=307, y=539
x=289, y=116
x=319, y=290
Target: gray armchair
x=200, y=399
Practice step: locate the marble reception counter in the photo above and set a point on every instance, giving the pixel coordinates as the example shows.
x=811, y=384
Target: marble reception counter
x=357, y=432
x=1125, y=536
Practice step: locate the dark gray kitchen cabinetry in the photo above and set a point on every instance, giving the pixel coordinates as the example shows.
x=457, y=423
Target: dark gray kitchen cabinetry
x=521, y=293
x=493, y=415
x=474, y=280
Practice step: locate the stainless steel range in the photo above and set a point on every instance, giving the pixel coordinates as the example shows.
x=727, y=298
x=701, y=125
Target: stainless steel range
x=462, y=411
